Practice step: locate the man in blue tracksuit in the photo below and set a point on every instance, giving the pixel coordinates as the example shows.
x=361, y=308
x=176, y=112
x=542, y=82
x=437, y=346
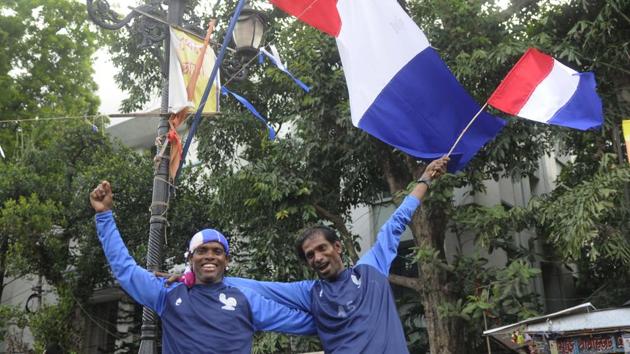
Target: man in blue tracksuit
x=354, y=308
x=209, y=317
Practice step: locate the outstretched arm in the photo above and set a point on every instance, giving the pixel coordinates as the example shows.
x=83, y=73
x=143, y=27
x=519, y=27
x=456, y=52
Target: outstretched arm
x=382, y=254
x=271, y=316
x=295, y=295
x=140, y=284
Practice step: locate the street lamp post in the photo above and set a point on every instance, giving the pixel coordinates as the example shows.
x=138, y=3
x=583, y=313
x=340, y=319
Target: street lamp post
x=101, y=14
x=247, y=26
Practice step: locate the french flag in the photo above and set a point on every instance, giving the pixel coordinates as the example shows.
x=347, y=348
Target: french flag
x=400, y=90
x=541, y=88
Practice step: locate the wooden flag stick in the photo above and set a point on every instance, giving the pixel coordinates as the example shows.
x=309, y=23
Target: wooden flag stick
x=190, y=90
x=466, y=129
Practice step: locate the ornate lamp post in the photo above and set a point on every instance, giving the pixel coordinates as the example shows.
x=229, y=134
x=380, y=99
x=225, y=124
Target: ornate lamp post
x=248, y=37
x=248, y=31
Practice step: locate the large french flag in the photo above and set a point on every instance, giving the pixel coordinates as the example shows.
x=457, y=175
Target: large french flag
x=400, y=90
x=541, y=88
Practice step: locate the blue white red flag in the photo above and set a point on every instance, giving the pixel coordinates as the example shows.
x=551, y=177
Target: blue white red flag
x=400, y=90
x=541, y=88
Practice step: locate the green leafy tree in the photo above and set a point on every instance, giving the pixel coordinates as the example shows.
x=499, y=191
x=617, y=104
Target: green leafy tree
x=47, y=225
x=46, y=48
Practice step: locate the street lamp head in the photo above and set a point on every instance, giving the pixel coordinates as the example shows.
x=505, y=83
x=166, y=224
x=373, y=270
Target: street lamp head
x=248, y=32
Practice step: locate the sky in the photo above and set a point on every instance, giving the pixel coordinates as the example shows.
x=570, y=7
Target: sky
x=108, y=92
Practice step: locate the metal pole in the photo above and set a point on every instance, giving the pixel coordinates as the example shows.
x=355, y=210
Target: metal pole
x=160, y=197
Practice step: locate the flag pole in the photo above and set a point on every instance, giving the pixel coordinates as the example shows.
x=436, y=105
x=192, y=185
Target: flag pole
x=466, y=129
x=206, y=93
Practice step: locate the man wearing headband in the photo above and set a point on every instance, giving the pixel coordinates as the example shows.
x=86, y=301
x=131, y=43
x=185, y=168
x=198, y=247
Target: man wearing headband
x=208, y=317
x=354, y=308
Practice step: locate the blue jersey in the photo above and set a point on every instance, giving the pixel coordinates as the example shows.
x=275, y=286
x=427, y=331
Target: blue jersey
x=215, y=318
x=356, y=313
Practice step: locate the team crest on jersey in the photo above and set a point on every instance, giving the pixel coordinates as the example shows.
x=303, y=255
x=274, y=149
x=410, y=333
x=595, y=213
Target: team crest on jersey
x=178, y=301
x=355, y=280
x=229, y=303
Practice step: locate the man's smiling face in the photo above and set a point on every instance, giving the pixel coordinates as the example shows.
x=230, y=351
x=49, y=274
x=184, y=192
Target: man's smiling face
x=323, y=257
x=209, y=261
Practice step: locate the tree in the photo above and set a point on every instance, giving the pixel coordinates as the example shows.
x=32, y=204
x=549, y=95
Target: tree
x=48, y=226
x=46, y=71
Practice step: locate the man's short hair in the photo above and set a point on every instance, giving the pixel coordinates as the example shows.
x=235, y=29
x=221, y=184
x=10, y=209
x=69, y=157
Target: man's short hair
x=328, y=232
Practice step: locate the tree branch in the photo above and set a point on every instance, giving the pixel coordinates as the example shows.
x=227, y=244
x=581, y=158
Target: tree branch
x=340, y=224
x=516, y=6
x=414, y=167
x=393, y=179
x=407, y=282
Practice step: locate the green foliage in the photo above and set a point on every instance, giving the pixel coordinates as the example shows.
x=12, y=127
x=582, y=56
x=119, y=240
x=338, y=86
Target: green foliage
x=410, y=310
x=506, y=296
x=54, y=323
x=29, y=224
x=591, y=217
x=45, y=63
x=11, y=315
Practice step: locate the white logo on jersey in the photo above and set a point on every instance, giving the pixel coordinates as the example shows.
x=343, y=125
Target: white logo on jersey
x=321, y=292
x=355, y=280
x=178, y=301
x=341, y=312
x=228, y=302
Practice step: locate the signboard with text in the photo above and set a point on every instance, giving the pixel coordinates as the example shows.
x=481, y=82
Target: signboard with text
x=585, y=344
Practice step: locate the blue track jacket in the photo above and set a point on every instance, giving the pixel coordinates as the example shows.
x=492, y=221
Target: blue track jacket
x=216, y=318
x=355, y=313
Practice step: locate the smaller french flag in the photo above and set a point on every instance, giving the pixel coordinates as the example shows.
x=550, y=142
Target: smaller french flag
x=541, y=88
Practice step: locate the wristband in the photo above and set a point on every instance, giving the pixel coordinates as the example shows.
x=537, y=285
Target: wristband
x=425, y=180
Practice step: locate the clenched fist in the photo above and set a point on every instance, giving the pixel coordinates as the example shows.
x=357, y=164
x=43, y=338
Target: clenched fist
x=101, y=197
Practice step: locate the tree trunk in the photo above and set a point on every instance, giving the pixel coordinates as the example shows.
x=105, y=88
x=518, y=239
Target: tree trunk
x=444, y=332
x=4, y=248
x=433, y=284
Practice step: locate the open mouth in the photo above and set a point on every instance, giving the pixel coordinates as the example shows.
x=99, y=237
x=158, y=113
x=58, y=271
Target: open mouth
x=322, y=268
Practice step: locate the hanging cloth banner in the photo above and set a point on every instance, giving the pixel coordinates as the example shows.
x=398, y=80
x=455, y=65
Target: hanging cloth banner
x=274, y=57
x=250, y=107
x=190, y=61
x=626, y=135
x=184, y=54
